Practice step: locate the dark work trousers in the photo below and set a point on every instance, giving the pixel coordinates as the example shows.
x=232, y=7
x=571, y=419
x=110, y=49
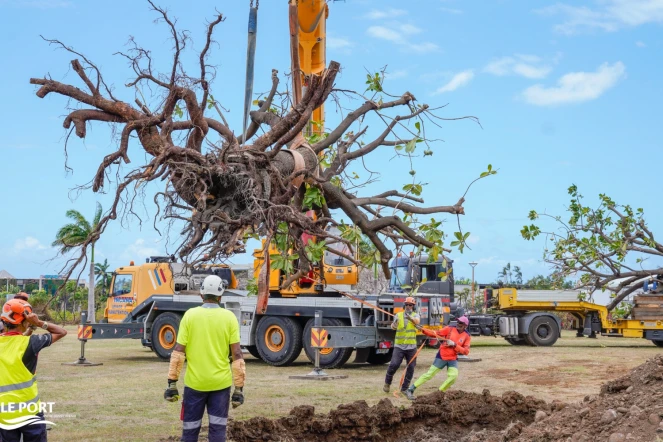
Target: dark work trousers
x=30, y=433
x=193, y=408
x=396, y=360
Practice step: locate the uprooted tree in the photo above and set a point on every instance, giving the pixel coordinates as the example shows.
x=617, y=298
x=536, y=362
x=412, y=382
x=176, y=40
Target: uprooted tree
x=225, y=188
x=610, y=246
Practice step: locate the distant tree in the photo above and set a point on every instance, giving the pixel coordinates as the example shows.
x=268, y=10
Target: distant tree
x=518, y=275
x=103, y=278
x=80, y=233
x=505, y=274
x=463, y=281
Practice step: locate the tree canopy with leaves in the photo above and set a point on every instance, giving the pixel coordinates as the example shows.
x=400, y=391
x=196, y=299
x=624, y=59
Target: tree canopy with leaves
x=609, y=246
x=225, y=187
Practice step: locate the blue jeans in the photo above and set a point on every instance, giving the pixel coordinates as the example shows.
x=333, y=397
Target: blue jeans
x=193, y=409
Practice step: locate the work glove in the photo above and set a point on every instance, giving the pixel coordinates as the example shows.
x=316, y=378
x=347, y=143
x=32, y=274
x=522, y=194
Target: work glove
x=451, y=343
x=171, y=394
x=238, y=397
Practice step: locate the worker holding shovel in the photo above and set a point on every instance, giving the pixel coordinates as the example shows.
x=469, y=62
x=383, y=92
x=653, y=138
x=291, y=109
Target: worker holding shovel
x=405, y=345
x=456, y=341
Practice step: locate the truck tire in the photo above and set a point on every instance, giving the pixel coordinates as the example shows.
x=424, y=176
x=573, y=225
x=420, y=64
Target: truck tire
x=516, y=341
x=381, y=358
x=164, y=334
x=329, y=357
x=658, y=343
x=543, y=332
x=278, y=340
x=253, y=351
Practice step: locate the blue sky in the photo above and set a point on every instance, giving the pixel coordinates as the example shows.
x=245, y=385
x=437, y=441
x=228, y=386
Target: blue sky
x=565, y=92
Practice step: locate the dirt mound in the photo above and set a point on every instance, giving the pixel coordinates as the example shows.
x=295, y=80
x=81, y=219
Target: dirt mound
x=435, y=417
x=629, y=408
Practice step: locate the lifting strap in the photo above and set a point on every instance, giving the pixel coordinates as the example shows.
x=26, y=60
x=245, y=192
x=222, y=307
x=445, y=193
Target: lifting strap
x=250, y=63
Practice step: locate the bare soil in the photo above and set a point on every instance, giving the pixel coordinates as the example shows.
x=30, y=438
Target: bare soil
x=452, y=414
x=628, y=408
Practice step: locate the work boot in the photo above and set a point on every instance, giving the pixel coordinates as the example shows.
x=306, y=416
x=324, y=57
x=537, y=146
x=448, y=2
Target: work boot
x=409, y=393
x=386, y=388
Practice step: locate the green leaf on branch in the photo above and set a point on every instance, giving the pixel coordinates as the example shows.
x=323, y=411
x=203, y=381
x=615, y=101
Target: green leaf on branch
x=315, y=251
x=411, y=146
x=313, y=198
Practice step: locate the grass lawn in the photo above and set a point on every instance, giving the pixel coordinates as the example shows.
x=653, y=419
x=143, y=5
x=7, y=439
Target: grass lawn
x=123, y=399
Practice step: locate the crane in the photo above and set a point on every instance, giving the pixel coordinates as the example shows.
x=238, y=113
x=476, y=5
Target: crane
x=307, y=23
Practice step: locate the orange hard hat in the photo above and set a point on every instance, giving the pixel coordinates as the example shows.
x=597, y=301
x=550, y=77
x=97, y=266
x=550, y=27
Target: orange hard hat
x=410, y=300
x=21, y=295
x=15, y=311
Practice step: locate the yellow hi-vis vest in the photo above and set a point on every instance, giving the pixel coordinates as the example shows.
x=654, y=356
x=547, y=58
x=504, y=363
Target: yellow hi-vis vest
x=19, y=398
x=405, y=335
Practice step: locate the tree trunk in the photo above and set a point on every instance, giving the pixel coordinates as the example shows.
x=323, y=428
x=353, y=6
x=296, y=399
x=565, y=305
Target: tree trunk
x=90, y=293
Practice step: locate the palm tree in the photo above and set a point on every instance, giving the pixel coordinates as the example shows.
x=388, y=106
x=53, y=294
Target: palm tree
x=75, y=235
x=505, y=274
x=103, y=275
x=518, y=275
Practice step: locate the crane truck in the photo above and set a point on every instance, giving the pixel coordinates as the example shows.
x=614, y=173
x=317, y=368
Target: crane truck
x=147, y=302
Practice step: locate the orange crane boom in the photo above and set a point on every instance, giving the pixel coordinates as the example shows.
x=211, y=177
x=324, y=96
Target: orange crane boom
x=308, y=47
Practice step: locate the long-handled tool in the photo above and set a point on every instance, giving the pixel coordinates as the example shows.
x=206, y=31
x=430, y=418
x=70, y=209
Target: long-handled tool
x=417, y=326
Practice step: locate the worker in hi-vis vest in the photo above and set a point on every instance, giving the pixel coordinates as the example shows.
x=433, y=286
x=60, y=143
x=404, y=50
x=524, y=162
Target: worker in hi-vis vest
x=405, y=345
x=19, y=395
x=207, y=337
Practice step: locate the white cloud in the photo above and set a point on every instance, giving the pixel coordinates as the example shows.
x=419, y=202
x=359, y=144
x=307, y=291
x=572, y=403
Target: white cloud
x=473, y=239
x=409, y=29
x=640, y=44
x=451, y=10
x=139, y=250
x=401, y=73
x=28, y=243
x=576, y=87
x=38, y=4
x=385, y=34
x=424, y=48
x=528, y=66
x=396, y=34
x=609, y=15
x=377, y=14
x=459, y=80
x=339, y=43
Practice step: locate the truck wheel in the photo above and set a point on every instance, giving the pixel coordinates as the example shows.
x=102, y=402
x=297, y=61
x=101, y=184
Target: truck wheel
x=164, y=334
x=658, y=343
x=381, y=358
x=329, y=357
x=253, y=351
x=543, y=331
x=278, y=340
x=516, y=341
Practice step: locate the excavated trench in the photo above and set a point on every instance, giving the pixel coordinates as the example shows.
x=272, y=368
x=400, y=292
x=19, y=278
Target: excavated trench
x=629, y=408
x=435, y=417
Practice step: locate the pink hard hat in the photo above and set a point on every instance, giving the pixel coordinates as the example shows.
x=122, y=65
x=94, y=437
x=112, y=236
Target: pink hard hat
x=464, y=320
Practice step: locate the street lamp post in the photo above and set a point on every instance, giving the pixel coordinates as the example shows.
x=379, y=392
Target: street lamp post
x=473, y=264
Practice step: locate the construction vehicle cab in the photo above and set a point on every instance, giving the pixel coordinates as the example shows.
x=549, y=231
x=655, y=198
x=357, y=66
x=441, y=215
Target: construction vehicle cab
x=408, y=271
x=333, y=272
x=160, y=275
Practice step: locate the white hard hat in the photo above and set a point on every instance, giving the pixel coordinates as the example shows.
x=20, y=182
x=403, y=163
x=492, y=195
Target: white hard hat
x=213, y=285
